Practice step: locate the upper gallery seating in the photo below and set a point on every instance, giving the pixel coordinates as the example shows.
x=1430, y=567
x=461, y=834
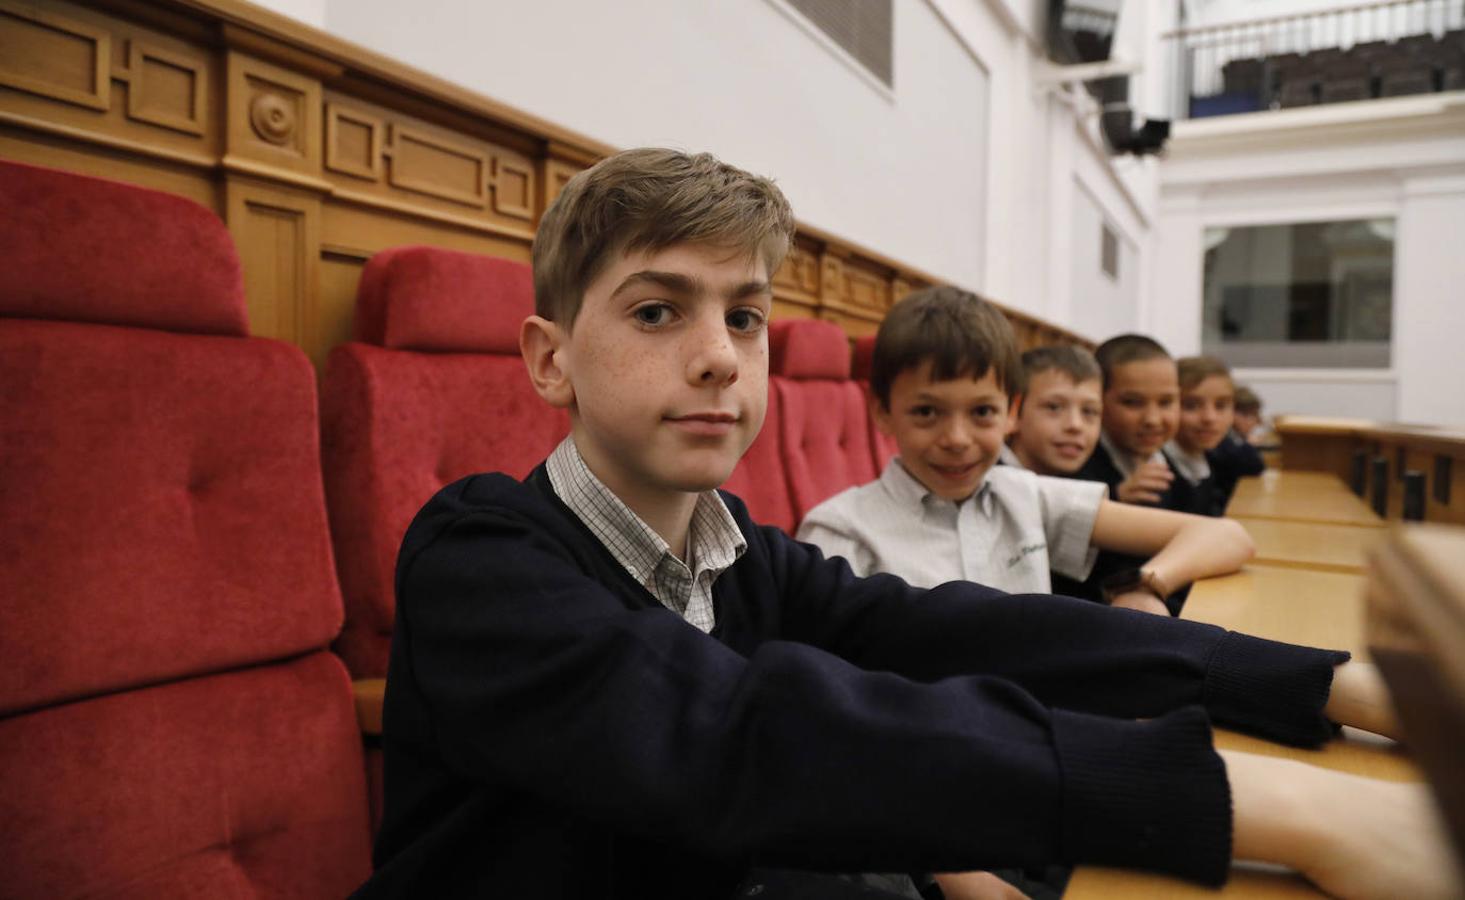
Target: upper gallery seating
x=171, y=721
x=1415, y=64
x=431, y=390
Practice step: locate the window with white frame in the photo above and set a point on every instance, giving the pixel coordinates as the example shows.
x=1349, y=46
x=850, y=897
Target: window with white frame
x=1305, y=295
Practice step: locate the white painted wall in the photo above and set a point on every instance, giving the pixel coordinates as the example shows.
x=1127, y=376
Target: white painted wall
x=1100, y=305
x=1403, y=159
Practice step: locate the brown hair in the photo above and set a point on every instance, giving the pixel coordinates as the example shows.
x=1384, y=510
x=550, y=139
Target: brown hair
x=650, y=199
x=1246, y=400
x=1195, y=369
x=1127, y=348
x=1070, y=359
x=957, y=331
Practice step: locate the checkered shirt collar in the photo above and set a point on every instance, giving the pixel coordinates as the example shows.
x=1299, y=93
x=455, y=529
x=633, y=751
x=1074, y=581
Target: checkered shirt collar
x=714, y=540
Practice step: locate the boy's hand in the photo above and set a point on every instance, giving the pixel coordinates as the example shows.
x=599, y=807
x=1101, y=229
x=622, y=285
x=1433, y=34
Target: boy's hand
x=1144, y=601
x=1354, y=837
x=976, y=886
x=1360, y=698
x=1146, y=483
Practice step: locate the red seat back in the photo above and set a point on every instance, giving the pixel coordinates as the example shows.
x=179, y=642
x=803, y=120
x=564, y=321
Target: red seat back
x=170, y=721
x=432, y=390
x=823, y=422
x=760, y=480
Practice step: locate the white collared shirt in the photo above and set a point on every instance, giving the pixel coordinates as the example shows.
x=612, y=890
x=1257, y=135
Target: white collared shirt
x=1193, y=467
x=713, y=541
x=1008, y=535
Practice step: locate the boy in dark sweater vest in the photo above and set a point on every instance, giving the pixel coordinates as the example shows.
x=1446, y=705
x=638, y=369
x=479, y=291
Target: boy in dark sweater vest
x=1205, y=451
x=607, y=681
x=1141, y=411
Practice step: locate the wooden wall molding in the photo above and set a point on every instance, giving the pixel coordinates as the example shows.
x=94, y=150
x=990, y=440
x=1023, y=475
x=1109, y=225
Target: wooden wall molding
x=54, y=56
x=166, y=89
x=318, y=153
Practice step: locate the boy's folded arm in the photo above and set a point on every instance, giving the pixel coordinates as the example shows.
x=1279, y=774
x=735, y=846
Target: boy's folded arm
x=1183, y=547
x=1068, y=653
x=530, y=673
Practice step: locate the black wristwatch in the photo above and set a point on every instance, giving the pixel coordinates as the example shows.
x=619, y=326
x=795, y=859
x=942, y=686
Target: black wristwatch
x=1126, y=580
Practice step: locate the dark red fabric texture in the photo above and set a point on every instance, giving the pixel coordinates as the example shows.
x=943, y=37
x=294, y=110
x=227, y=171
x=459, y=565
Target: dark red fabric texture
x=396, y=427
x=84, y=249
x=239, y=785
x=161, y=506
x=863, y=358
x=760, y=480
x=429, y=299
x=808, y=348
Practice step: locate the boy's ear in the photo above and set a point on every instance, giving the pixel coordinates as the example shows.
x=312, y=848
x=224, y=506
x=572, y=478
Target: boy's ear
x=1014, y=412
x=541, y=343
x=879, y=414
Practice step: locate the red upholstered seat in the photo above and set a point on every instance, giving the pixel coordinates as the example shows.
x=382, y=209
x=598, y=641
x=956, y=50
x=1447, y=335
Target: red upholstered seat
x=822, y=418
x=171, y=723
x=760, y=480
x=433, y=389
x=881, y=443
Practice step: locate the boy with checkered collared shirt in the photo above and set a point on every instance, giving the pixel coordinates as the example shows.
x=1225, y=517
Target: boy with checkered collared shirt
x=569, y=718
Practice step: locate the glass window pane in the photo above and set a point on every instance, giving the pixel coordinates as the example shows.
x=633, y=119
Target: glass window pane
x=1307, y=295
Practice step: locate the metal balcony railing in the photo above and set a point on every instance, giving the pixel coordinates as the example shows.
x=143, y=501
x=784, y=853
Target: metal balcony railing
x=1386, y=49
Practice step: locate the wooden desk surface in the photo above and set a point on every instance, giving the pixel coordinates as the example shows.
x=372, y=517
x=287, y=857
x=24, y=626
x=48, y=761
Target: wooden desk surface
x=1299, y=605
x=1312, y=545
x=1303, y=606
x=1300, y=497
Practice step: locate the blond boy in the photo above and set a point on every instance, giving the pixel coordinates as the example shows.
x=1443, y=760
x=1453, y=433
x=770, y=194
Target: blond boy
x=1062, y=404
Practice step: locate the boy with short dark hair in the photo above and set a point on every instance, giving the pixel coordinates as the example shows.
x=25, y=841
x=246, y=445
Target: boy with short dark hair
x=1061, y=406
x=1141, y=413
x=607, y=682
x=1205, y=451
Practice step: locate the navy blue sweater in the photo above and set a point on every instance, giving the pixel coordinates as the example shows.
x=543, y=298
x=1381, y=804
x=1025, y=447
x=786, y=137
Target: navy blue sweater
x=551, y=731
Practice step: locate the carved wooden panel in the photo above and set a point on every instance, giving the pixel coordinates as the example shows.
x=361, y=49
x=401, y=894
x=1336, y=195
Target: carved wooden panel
x=831, y=279
x=165, y=88
x=513, y=185
x=354, y=142
x=866, y=289
x=54, y=56
x=274, y=114
x=799, y=274
x=899, y=288
x=437, y=166
x=277, y=232
x=557, y=174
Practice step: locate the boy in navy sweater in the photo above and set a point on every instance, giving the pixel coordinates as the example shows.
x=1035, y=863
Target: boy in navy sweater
x=606, y=681
x=1206, y=452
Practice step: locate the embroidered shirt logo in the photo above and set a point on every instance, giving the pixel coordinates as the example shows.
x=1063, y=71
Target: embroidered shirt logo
x=1024, y=551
